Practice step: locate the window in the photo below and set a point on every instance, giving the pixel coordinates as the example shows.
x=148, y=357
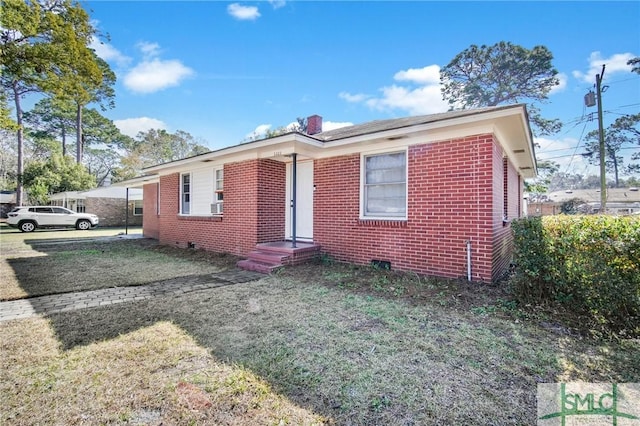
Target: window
x=80, y=208
x=385, y=185
x=218, y=185
x=185, y=194
x=42, y=210
x=137, y=207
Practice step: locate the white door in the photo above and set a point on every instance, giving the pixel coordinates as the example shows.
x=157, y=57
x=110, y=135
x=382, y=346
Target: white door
x=304, y=201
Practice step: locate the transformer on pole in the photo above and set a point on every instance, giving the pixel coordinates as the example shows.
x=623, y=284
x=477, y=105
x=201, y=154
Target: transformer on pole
x=590, y=99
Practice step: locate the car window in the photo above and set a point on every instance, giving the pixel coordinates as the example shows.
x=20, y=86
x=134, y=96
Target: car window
x=60, y=210
x=43, y=210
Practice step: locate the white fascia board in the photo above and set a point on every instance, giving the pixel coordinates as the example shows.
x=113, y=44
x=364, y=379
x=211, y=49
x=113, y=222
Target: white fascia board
x=138, y=182
x=514, y=136
x=64, y=195
x=250, y=150
x=280, y=147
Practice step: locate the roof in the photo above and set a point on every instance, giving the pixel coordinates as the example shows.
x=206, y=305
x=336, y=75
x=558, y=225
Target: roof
x=102, y=192
x=398, y=123
x=510, y=124
x=614, y=195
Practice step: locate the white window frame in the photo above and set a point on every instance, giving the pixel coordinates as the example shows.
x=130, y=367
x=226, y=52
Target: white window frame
x=363, y=175
x=217, y=206
x=138, y=204
x=190, y=193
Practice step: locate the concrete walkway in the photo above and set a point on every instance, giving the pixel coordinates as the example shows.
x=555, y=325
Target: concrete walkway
x=45, y=305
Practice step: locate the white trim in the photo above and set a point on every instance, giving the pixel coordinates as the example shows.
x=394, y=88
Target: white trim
x=180, y=207
x=508, y=124
x=141, y=207
x=219, y=204
x=363, y=172
x=303, y=193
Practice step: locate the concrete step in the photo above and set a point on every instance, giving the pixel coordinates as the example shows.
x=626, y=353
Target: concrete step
x=267, y=257
x=252, y=265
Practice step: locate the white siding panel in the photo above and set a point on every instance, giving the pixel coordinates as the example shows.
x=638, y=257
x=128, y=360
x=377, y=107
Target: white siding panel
x=202, y=190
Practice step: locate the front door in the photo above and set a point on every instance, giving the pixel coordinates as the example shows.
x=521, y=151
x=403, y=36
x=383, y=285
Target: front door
x=304, y=201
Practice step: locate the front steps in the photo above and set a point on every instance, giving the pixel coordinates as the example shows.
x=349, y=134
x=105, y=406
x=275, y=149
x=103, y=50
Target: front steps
x=268, y=257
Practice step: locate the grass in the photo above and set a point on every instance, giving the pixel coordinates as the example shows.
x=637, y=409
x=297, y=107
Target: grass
x=321, y=343
x=67, y=261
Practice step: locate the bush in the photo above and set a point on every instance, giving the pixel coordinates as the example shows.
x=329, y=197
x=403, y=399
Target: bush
x=589, y=264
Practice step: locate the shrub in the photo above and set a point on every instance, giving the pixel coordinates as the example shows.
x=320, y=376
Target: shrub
x=589, y=264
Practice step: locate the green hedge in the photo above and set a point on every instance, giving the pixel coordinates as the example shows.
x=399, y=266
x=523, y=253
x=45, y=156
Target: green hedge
x=589, y=264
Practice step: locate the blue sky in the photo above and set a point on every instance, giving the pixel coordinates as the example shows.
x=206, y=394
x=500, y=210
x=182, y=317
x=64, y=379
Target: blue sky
x=223, y=71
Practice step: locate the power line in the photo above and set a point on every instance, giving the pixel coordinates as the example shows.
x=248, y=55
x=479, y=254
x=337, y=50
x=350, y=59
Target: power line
x=577, y=146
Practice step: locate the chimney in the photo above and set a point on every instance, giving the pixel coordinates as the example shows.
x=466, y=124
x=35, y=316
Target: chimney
x=314, y=124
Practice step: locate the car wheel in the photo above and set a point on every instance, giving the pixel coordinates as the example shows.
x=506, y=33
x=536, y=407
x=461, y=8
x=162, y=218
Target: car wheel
x=27, y=226
x=83, y=225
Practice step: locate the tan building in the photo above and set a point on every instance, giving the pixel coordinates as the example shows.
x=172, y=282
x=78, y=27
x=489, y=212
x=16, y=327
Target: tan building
x=108, y=203
x=620, y=201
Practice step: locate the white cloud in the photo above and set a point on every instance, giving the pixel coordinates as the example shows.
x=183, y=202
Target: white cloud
x=421, y=100
x=277, y=4
x=420, y=95
x=332, y=125
x=133, y=126
x=259, y=131
x=614, y=64
x=562, y=80
x=243, y=13
x=427, y=75
x=148, y=49
x=109, y=53
x=564, y=152
x=155, y=74
x=353, y=98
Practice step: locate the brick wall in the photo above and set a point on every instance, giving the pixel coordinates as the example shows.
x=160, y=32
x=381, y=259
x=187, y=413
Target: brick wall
x=271, y=201
x=455, y=195
x=111, y=211
x=450, y=202
x=254, y=210
x=151, y=218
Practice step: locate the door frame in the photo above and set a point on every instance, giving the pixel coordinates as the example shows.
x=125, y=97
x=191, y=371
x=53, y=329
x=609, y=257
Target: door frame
x=304, y=194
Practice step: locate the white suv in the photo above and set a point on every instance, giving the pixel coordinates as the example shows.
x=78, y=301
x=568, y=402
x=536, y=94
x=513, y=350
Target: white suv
x=27, y=219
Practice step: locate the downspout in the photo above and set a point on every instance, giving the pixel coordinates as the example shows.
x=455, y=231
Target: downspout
x=469, y=276
x=126, y=216
x=294, y=178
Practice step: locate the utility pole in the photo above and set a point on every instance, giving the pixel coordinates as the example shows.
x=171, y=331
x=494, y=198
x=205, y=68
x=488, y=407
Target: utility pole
x=603, y=177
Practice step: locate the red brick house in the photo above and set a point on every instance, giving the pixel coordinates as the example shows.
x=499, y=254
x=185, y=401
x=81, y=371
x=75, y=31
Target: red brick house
x=433, y=194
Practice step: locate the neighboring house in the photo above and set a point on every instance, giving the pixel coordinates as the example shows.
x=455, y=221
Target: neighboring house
x=620, y=201
x=108, y=203
x=7, y=202
x=411, y=194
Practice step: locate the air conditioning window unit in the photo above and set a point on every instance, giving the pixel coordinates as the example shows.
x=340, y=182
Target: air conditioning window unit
x=216, y=208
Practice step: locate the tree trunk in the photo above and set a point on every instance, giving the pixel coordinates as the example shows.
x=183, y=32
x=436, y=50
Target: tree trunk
x=79, y=134
x=64, y=141
x=20, y=171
